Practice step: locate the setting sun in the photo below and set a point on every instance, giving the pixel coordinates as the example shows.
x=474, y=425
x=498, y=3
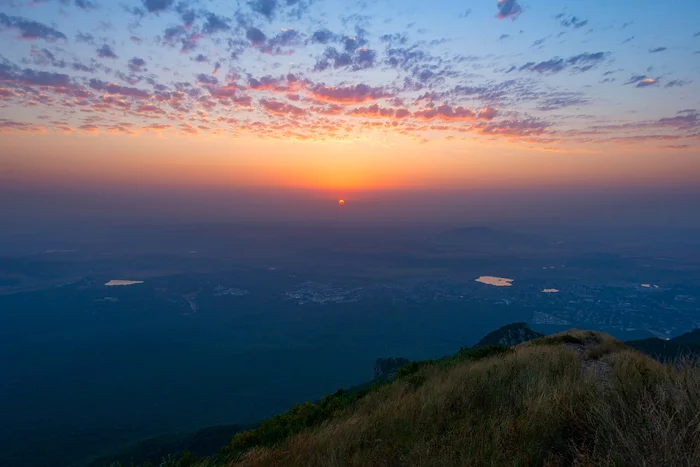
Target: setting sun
x=341, y=202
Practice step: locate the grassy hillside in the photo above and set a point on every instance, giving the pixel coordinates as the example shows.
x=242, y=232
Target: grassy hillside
x=577, y=398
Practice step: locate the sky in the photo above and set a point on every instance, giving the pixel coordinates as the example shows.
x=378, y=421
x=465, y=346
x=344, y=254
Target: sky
x=348, y=99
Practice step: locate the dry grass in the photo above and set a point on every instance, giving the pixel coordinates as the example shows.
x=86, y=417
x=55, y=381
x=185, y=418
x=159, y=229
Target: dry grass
x=532, y=407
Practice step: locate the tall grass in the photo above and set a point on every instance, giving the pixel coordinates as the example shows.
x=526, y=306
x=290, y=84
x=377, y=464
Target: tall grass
x=535, y=406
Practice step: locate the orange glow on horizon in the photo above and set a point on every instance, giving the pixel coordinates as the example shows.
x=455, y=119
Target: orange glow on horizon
x=341, y=202
x=334, y=167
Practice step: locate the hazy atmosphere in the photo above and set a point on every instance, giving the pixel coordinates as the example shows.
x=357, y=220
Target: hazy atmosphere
x=213, y=210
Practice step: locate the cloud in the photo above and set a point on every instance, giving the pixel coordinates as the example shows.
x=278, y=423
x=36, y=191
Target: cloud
x=266, y=8
x=574, y=22
x=106, y=52
x=350, y=94
x=281, y=108
x=677, y=147
x=137, y=65
x=642, y=81
x=288, y=37
x=115, y=89
x=513, y=128
x=323, y=36
x=85, y=37
x=215, y=24
x=562, y=100
x=579, y=63
x=408, y=58
x=187, y=15
x=11, y=125
x=447, y=113
x=229, y=94
x=206, y=79
x=508, y=9
x=677, y=83
x=29, y=77
x=30, y=29
x=657, y=50
x=554, y=65
x=149, y=109
x=85, y=4
x=394, y=39
x=685, y=119
x=376, y=111
x=157, y=5
x=255, y=36
x=46, y=57
x=359, y=59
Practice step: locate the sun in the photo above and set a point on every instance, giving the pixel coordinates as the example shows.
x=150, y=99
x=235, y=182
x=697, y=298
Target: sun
x=341, y=201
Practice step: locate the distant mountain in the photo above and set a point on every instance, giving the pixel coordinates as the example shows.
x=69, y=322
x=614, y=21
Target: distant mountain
x=509, y=335
x=687, y=344
x=689, y=338
x=487, y=236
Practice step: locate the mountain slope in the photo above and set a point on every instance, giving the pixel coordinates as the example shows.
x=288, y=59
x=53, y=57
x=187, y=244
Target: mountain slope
x=574, y=398
x=577, y=398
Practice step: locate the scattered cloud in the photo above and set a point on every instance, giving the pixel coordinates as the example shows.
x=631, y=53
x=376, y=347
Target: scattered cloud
x=657, y=50
x=30, y=29
x=677, y=83
x=106, y=52
x=281, y=108
x=577, y=63
x=574, y=22
x=642, y=81
x=466, y=13
x=377, y=111
x=358, y=93
x=214, y=24
x=256, y=36
x=85, y=4
x=157, y=5
x=447, y=113
x=323, y=36
x=137, y=65
x=508, y=9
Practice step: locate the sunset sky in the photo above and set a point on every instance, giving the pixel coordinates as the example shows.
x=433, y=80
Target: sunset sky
x=342, y=97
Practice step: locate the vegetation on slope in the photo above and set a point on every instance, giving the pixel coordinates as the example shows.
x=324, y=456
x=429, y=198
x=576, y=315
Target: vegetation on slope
x=577, y=398
x=510, y=335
